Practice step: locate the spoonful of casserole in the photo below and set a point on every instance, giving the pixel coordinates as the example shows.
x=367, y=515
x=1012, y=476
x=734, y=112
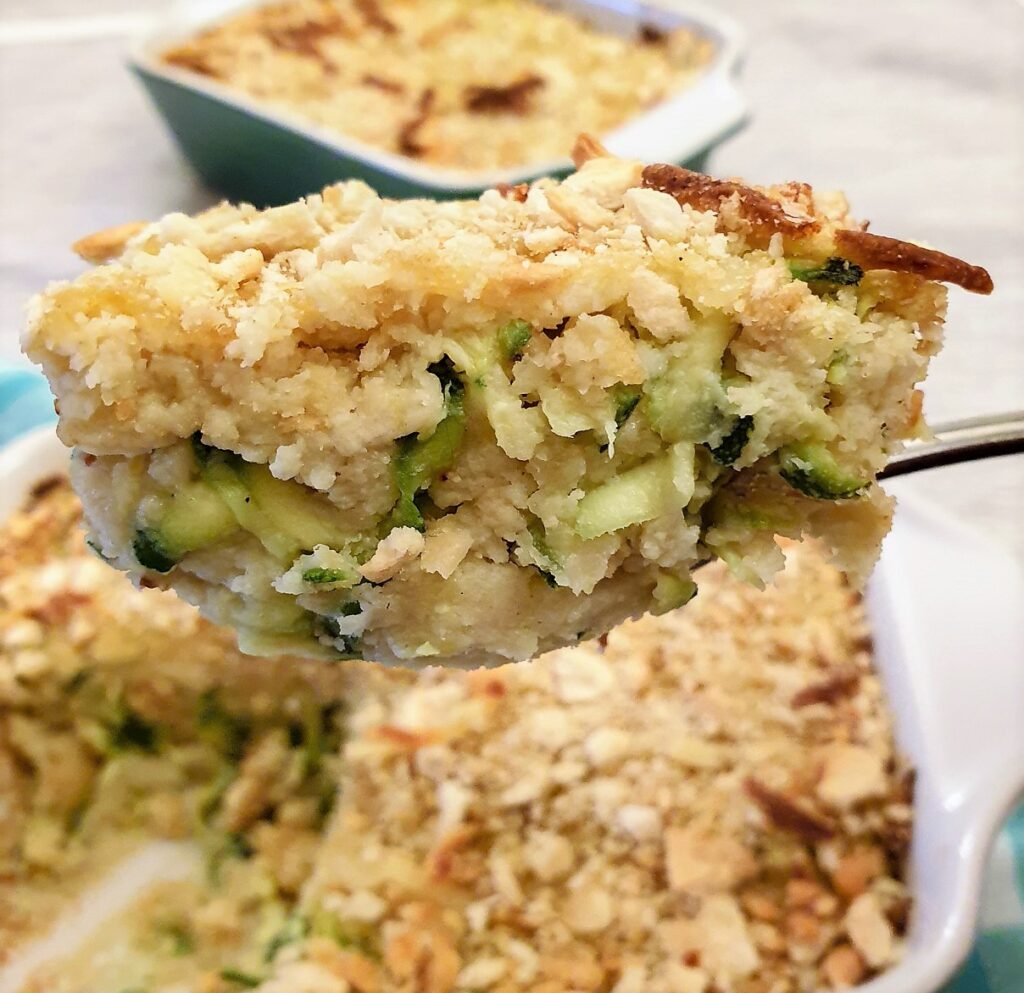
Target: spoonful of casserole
x=464, y=433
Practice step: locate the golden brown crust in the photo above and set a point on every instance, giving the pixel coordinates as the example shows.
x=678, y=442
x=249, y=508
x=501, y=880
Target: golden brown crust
x=764, y=215
x=875, y=251
x=651, y=34
x=767, y=216
x=786, y=815
x=587, y=147
x=102, y=246
x=190, y=60
x=304, y=39
x=511, y=99
x=409, y=141
x=519, y=192
x=375, y=17
x=380, y=83
x=828, y=691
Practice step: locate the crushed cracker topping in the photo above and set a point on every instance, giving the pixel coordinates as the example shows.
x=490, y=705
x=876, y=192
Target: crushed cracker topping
x=640, y=816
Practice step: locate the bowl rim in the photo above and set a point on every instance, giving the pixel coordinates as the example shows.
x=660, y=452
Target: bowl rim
x=976, y=811
x=975, y=815
x=713, y=102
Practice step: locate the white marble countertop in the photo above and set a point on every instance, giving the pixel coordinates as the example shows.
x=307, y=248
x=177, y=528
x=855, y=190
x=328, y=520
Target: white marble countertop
x=913, y=108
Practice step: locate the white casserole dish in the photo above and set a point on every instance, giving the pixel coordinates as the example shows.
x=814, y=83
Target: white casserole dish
x=250, y=151
x=945, y=607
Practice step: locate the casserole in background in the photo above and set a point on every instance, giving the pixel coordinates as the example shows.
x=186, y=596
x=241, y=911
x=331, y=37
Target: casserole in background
x=250, y=151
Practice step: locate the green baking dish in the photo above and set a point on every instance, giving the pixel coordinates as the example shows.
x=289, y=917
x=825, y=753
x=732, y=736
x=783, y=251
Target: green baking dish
x=249, y=151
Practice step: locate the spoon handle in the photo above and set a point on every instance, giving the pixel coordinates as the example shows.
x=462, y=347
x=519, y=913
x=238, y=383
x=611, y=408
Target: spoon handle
x=961, y=441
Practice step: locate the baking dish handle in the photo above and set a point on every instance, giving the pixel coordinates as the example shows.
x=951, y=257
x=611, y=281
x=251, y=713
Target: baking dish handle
x=683, y=129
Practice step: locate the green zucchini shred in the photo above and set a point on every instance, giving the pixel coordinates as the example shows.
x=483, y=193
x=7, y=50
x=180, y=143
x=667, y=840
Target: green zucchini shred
x=813, y=470
x=419, y=461
x=834, y=270
x=513, y=339
x=730, y=448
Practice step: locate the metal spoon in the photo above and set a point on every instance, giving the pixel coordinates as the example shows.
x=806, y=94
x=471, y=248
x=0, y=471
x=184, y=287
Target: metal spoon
x=961, y=441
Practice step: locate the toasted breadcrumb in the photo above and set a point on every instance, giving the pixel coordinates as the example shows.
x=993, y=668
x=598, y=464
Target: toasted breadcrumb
x=102, y=246
x=587, y=822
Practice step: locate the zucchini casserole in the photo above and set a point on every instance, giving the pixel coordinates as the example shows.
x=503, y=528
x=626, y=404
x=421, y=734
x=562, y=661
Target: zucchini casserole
x=455, y=84
x=126, y=719
x=463, y=433
x=711, y=800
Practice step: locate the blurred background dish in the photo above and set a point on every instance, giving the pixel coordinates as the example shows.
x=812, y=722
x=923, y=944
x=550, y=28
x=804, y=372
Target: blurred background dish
x=272, y=102
x=451, y=83
x=913, y=108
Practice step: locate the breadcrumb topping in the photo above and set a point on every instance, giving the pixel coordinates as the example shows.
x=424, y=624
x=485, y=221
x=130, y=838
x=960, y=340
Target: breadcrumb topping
x=710, y=800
